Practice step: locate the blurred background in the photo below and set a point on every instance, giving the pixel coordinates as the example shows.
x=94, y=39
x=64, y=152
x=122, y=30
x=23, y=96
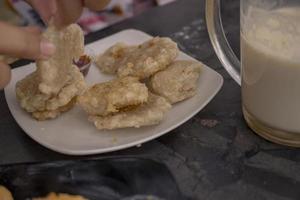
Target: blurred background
x=20, y=13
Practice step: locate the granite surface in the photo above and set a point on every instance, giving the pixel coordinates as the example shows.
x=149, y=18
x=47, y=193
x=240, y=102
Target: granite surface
x=212, y=156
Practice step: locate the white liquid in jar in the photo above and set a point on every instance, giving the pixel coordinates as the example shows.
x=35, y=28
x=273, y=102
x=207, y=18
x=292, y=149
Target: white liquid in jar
x=270, y=49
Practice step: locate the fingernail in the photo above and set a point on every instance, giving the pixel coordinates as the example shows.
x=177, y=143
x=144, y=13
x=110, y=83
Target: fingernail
x=47, y=49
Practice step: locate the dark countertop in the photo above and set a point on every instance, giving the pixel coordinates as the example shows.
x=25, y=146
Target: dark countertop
x=212, y=156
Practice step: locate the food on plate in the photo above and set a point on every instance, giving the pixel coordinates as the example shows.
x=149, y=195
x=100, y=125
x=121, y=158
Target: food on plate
x=55, y=73
x=28, y=94
x=51, y=89
x=110, y=97
x=51, y=114
x=149, y=113
x=113, y=57
x=148, y=58
x=58, y=83
x=178, y=81
x=32, y=99
x=54, y=196
x=141, y=61
x=43, y=106
x=5, y=194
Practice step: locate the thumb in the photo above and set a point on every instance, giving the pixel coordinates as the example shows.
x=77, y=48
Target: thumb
x=5, y=74
x=96, y=5
x=45, y=8
x=22, y=43
x=67, y=12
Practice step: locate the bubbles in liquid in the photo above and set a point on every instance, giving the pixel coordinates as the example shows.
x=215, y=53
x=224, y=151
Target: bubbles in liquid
x=275, y=32
x=270, y=48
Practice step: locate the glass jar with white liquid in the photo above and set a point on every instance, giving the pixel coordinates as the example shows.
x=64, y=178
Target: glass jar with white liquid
x=269, y=71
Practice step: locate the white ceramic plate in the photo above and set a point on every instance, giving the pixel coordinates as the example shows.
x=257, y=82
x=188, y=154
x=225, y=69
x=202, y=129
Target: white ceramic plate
x=73, y=134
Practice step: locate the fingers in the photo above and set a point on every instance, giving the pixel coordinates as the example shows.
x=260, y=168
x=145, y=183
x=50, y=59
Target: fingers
x=67, y=12
x=32, y=29
x=5, y=75
x=46, y=8
x=24, y=42
x=64, y=12
x=96, y=5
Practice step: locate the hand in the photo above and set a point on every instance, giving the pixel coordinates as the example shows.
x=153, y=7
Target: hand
x=21, y=42
x=64, y=12
x=28, y=43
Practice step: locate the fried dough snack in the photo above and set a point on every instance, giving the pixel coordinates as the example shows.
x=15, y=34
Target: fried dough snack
x=148, y=58
x=32, y=99
x=46, y=97
x=178, y=81
x=43, y=106
x=146, y=114
x=51, y=114
x=110, y=60
x=54, y=196
x=54, y=73
x=141, y=61
x=28, y=94
x=110, y=97
x=5, y=194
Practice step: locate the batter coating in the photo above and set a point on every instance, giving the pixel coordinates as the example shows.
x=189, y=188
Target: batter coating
x=178, y=82
x=54, y=73
x=54, y=196
x=48, y=92
x=148, y=58
x=5, y=193
x=43, y=106
x=113, y=96
x=112, y=58
x=146, y=114
x=141, y=61
x=28, y=94
x=51, y=114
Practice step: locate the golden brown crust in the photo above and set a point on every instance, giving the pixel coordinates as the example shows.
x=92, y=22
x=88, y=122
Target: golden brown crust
x=5, y=194
x=28, y=94
x=148, y=58
x=54, y=73
x=61, y=196
x=178, y=82
x=140, y=61
x=113, y=96
x=51, y=114
x=110, y=60
x=48, y=91
x=147, y=114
